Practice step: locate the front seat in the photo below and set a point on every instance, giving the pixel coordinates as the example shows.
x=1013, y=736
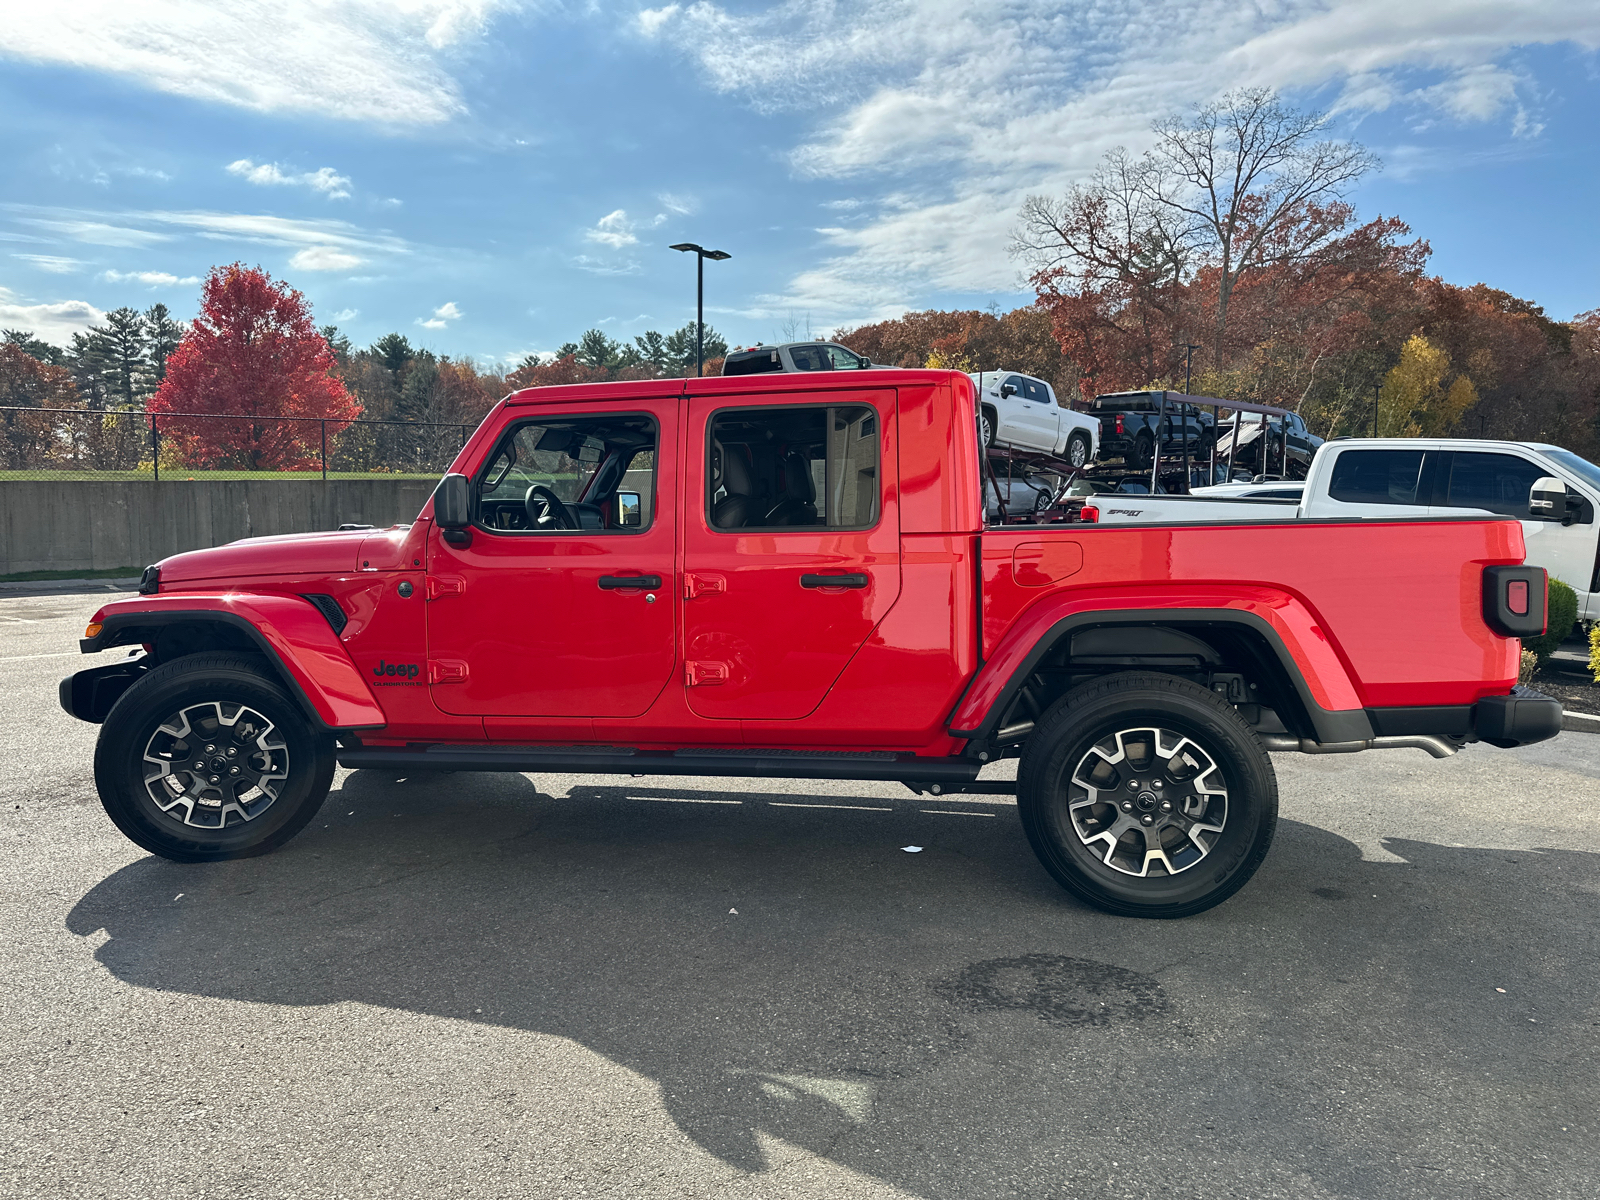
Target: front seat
x=737, y=507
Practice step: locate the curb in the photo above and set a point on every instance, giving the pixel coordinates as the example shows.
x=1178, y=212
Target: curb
x=66, y=586
x=1577, y=722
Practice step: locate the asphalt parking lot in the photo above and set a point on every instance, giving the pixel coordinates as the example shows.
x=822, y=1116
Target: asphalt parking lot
x=538, y=986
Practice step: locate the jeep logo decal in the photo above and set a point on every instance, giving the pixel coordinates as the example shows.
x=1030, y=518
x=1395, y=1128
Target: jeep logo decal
x=402, y=670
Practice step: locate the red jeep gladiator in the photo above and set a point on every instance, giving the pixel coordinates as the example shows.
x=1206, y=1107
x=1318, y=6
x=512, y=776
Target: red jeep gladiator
x=790, y=576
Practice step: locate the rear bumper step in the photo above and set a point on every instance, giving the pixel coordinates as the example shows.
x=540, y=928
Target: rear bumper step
x=582, y=760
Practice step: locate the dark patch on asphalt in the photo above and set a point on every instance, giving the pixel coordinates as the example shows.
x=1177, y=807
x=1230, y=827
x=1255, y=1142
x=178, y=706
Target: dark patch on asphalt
x=1059, y=990
x=1329, y=893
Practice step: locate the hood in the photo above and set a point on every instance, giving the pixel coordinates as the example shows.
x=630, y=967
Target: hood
x=287, y=554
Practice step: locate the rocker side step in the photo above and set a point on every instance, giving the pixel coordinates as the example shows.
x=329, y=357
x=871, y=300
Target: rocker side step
x=606, y=760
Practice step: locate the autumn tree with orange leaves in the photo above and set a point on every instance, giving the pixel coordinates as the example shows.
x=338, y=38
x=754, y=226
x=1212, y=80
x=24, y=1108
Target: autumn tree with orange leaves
x=252, y=351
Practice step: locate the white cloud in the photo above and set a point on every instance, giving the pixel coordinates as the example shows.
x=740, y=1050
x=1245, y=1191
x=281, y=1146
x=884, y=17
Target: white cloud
x=153, y=278
x=971, y=105
x=614, y=230
x=442, y=316
x=54, y=323
x=325, y=258
x=324, y=179
x=55, y=264
x=676, y=204
x=363, y=60
x=346, y=314
x=598, y=266
x=97, y=233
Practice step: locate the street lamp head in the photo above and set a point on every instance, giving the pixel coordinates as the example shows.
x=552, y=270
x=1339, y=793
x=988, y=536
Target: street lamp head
x=717, y=255
x=690, y=246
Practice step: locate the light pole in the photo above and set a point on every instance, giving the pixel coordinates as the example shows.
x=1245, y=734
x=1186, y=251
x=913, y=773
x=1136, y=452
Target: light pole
x=700, y=254
x=1188, y=368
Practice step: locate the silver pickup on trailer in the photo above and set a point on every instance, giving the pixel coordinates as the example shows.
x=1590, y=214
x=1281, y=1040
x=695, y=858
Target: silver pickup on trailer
x=1385, y=478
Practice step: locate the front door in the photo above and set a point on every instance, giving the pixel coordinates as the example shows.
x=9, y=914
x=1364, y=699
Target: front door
x=562, y=605
x=791, y=546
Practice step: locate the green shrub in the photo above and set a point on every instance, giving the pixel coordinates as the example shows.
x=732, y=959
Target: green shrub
x=1561, y=613
x=1594, y=651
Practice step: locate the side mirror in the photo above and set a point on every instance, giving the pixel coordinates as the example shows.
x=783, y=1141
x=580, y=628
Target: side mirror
x=1548, y=498
x=452, y=509
x=630, y=515
x=1007, y=390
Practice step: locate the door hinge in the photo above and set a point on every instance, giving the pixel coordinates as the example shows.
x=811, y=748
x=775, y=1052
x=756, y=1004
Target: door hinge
x=446, y=670
x=705, y=674
x=445, y=585
x=695, y=584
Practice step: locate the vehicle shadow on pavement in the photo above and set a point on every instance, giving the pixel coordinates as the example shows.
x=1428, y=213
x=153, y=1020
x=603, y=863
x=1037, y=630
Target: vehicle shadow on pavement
x=942, y=1020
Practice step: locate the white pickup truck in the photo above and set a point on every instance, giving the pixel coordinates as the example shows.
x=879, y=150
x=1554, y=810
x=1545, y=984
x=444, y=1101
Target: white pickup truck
x=1378, y=478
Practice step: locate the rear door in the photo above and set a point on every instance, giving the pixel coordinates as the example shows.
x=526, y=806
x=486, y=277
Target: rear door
x=791, y=545
x=1499, y=482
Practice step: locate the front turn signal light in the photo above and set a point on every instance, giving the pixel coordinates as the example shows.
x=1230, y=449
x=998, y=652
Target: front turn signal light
x=93, y=631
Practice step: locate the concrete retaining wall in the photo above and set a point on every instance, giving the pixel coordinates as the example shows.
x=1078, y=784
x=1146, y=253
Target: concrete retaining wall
x=98, y=526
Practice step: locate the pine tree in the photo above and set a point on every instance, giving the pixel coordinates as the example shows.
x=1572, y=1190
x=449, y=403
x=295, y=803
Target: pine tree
x=24, y=340
x=89, y=360
x=162, y=335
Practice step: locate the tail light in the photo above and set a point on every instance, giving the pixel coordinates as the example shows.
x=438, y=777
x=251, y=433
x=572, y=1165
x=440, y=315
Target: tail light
x=1089, y=513
x=1119, y=423
x=1514, y=600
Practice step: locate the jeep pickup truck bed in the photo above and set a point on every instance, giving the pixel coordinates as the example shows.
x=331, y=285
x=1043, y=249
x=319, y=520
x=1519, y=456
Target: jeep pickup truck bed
x=790, y=576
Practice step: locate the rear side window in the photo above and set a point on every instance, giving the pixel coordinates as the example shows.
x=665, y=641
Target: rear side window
x=811, y=358
x=756, y=363
x=1036, y=391
x=1377, y=477
x=806, y=466
x=1497, y=482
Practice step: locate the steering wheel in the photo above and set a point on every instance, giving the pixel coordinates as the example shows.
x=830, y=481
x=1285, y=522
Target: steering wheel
x=543, y=504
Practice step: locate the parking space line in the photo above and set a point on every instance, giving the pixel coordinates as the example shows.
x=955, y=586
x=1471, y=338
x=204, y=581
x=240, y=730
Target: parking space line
x=683, y=800
x=955, y=812
x=850, y=807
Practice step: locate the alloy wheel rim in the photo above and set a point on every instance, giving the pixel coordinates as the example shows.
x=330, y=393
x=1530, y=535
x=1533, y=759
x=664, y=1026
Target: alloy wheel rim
x=213, y=764
x=1148, y=801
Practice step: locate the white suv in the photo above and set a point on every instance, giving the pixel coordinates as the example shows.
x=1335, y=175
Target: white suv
x=795, y=356
x=1020, y=411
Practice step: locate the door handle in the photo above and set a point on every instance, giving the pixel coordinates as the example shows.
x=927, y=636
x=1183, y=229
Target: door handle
x=833, y=581
x=630, y=581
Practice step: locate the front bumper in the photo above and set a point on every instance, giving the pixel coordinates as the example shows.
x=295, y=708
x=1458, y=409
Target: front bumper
x=1520, y=719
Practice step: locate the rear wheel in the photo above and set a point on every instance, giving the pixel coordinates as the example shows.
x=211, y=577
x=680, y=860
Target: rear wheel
x=1144, y=451
x=1078, y=449
x=1147, y=796
x=207, y=758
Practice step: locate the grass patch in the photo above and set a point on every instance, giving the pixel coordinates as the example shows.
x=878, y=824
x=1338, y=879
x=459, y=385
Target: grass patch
x=40, y=576
x=182, y=475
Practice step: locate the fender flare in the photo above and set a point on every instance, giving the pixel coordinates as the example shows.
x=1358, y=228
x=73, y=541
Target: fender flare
x=292, y=634
x=978, y=713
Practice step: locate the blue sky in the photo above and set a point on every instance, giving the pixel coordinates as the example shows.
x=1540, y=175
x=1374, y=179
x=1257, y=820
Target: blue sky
x=492, y=178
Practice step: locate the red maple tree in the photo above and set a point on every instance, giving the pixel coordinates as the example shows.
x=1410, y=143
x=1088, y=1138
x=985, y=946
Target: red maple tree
x=251, y=351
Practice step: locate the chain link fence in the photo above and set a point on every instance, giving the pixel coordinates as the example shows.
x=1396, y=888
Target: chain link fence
x=114, y=444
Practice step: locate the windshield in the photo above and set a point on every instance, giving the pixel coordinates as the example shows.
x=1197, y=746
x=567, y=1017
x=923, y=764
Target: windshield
x=1580, y=467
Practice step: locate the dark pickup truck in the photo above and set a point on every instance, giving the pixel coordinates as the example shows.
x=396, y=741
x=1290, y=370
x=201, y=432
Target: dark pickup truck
x=1132, y=424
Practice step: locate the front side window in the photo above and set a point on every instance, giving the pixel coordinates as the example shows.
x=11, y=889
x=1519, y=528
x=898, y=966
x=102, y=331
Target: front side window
x=1497, y=482
x=1014, y=382
x=844, y=360
x=1377, y=476
x=778, y=468
x=572, y=474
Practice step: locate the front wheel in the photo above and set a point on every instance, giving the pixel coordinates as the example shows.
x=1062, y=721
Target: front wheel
x=986, y=427
x=207, y=758
x=1147, y=796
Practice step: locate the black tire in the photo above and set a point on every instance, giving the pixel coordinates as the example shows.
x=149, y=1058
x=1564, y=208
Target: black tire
x=988, y=424
x=220, y=701
x=1078, y=450
x=1200, y=863
x=1144, y=452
